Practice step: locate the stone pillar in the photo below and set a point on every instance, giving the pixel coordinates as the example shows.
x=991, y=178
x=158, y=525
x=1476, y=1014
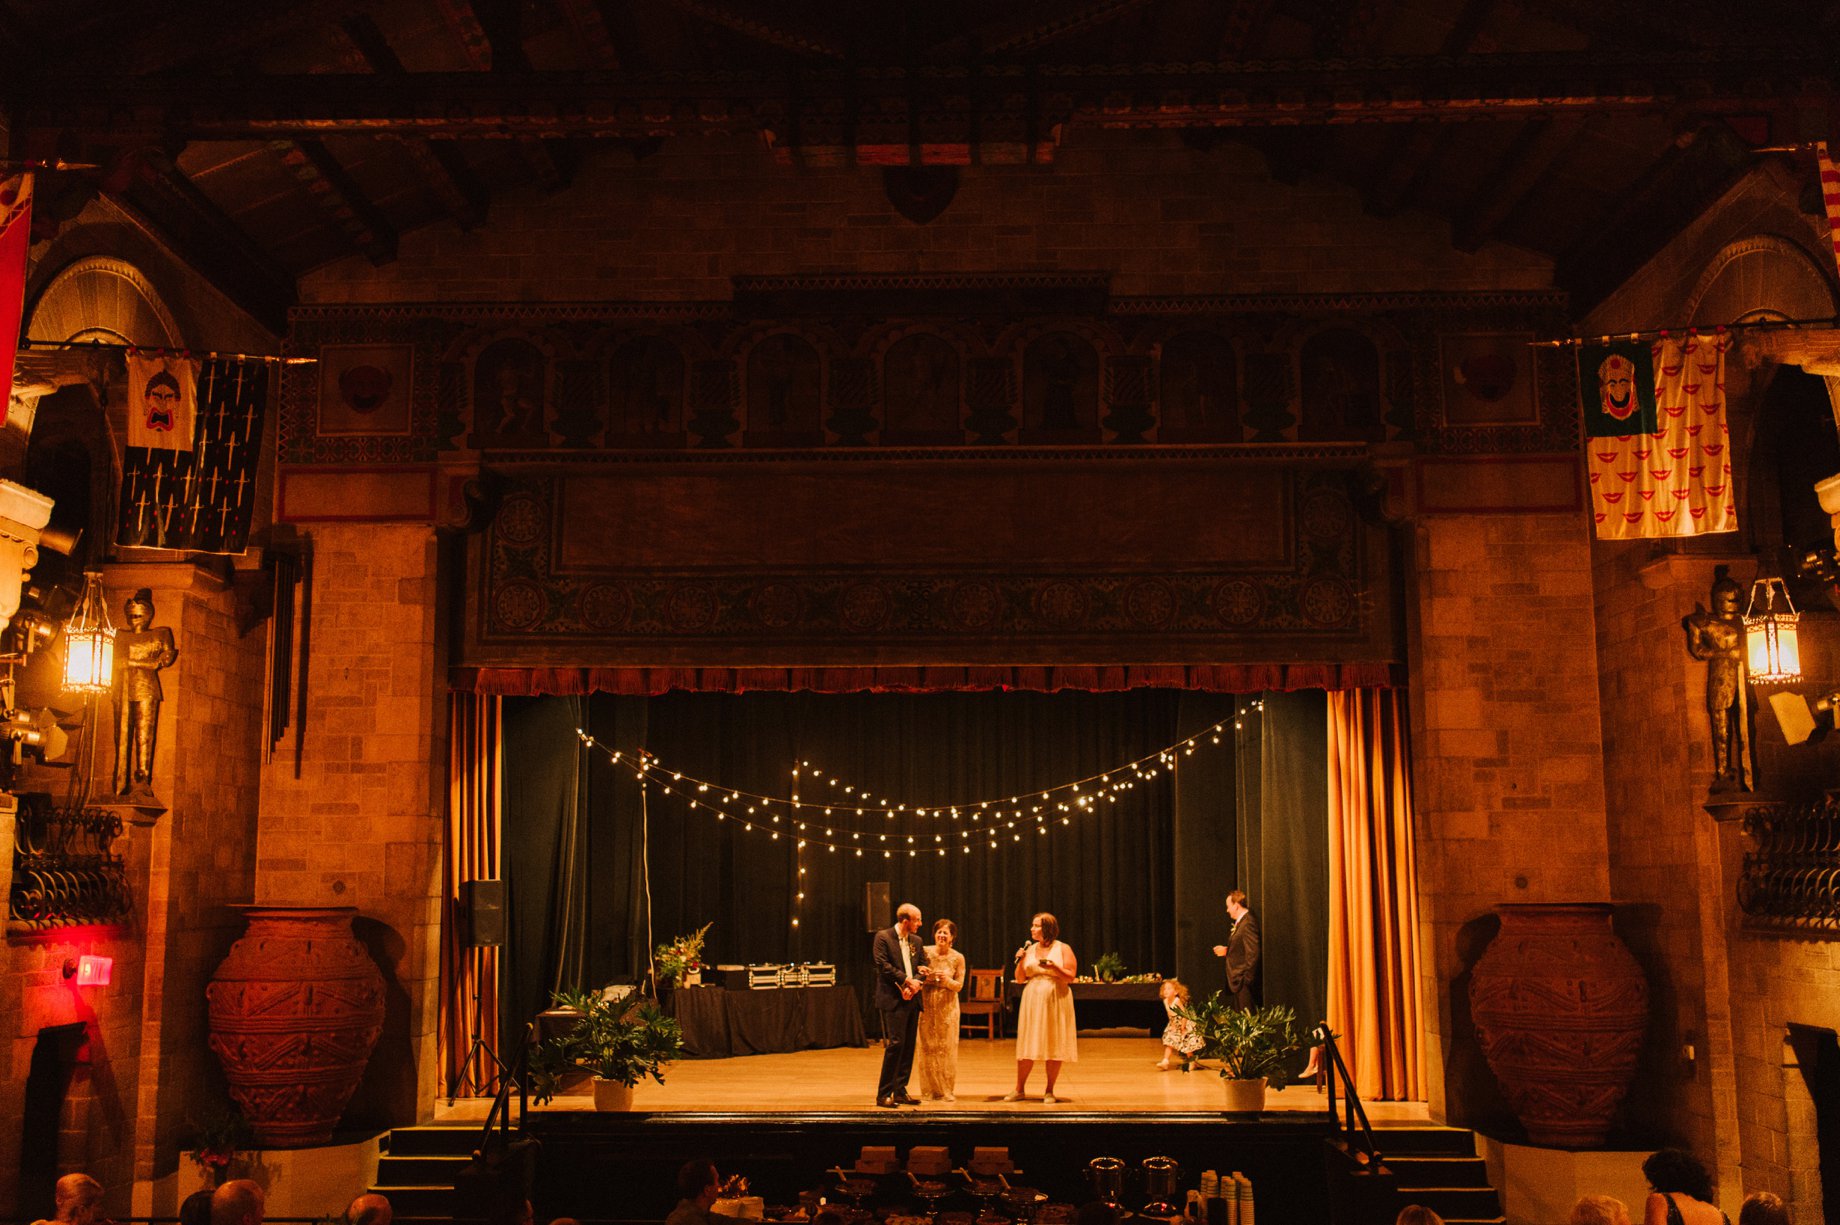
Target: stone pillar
x=353, y=798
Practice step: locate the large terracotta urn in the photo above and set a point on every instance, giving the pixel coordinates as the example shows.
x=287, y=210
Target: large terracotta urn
x=1561, y=1008
x=295, y=1010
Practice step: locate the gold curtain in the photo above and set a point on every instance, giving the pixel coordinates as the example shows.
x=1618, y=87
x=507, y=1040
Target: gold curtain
x=1374, y=1005
x=469, y=976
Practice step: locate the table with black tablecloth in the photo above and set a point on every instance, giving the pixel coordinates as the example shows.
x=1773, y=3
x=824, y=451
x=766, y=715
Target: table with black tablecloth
x=1112, y=1005
x=718, y=1023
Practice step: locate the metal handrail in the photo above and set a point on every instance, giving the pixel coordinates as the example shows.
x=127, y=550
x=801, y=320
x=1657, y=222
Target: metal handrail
x=1353, y=1112
x=516, y=1074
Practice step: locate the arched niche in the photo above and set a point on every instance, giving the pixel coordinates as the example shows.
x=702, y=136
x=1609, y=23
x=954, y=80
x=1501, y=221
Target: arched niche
x=105, y=299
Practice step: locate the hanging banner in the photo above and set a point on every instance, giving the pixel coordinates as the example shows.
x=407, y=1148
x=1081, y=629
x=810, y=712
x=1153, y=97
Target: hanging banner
x=1674, y=478
x=162, y=402
x=200, y=500
x=15, y=240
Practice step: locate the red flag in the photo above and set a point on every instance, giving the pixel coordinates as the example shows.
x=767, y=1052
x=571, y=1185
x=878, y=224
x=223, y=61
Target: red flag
x=1830, y=195
x=15, y=241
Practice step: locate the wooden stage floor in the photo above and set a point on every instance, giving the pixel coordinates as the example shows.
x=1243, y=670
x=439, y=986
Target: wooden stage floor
x=1114, y=1076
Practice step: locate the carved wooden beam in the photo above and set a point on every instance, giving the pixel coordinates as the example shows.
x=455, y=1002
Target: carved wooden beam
x=213, y=32
x=1521, y=169
x=1042, y=24
x=340, y=198
x=625, y=106
x=590, y=26
x=489, y=32
x=441, y=166
x=171, y=208
x=770, y=28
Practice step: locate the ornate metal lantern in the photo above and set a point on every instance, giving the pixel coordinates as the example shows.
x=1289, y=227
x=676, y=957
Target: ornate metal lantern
x=1774, y=652
x=89, y=642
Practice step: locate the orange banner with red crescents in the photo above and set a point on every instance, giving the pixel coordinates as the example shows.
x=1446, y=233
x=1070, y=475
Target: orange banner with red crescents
x=1676, y=481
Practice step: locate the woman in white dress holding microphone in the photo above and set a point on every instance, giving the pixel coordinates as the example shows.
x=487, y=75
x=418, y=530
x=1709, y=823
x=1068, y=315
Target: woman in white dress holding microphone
x=1045, y=1027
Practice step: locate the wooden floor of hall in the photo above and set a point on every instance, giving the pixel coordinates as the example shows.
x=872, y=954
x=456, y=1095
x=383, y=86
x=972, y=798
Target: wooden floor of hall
x=1112, y=1076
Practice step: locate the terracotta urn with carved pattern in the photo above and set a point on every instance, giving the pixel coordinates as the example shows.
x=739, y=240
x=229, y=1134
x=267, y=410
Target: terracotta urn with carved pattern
x=1560, y=1007
x=295, y=1010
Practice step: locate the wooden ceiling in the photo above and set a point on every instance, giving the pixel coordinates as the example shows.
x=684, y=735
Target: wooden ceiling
x=263, y=141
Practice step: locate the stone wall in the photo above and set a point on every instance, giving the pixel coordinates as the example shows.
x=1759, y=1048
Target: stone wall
x=1506, y=757
x=352, y=801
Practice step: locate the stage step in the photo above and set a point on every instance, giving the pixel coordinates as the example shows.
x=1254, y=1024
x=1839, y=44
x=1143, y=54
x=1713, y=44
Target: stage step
x=1438, y=1167
x=417, y=1169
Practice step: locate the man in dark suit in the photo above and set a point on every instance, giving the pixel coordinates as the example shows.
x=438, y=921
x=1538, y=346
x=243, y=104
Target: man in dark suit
x=900, y=964
x=1242, y=952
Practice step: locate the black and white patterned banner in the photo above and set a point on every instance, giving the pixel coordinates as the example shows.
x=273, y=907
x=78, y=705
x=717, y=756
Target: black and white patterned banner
x=201, y=500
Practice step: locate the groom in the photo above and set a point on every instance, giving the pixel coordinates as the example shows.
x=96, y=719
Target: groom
x=900, y=964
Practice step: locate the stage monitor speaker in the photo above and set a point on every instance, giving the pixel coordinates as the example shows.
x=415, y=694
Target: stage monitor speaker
x=877, y=908
x=482, y=904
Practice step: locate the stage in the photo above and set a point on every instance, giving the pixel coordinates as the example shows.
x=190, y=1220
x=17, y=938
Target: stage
x=783, y=1120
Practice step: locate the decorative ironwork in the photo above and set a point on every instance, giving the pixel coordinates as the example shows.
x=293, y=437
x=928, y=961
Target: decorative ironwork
x=64, y=870
x=1792, y=877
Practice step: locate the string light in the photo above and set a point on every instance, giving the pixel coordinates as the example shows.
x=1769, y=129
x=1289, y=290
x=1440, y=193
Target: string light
x=977, y=814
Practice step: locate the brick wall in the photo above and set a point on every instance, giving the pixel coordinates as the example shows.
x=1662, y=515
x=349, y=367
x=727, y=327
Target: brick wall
x=1506, y=757
x=351, y=814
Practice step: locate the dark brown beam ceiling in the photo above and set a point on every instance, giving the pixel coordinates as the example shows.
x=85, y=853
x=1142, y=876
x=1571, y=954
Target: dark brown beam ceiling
x=497, y=104
x=343, y=202
x=1531, y=153
x=172, y=208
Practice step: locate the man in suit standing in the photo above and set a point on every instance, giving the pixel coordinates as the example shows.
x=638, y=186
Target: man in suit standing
x=1242, y=952
x=900, y=964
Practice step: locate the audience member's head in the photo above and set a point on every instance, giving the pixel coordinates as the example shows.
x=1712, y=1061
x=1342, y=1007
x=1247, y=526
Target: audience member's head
x=1098, y=1212
x=1675, y=1170
x=827, y=1216
x=565, y=1220
x=1599, y=1210
x=369, y=1209
x=1417, y=1214
x=1763, y=1208
x=78, y=1198
x=698, y=1182
x=195, y=1209
x=238, y=1202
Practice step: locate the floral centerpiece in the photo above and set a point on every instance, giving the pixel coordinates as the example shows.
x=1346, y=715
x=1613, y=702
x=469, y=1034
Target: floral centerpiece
x=1109, y=968
x=681, y=960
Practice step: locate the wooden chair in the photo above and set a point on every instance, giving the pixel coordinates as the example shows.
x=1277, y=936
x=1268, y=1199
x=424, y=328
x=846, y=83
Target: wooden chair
x=985, y=999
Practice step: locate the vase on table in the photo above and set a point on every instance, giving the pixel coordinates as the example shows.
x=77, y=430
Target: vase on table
x=1560, y=1007
x=295, y=1010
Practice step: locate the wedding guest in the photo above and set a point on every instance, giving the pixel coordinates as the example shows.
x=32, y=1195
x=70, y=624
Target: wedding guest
x=1763, y=1208
x=79, y=1201
x=1180, y=1041
x=369, y=1209
x=698, y=1186
x=241, y=1201
x=1417, y=1214
x=1599, y=1210
x=937, y=1062
x=1682, y=1191
x=1045, y=1028
x=195, y=1209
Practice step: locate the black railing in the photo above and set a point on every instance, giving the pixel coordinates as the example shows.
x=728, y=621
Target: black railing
x=513, y=1075
x=1357, y=1132
x=65, y=872
x=1791, y=877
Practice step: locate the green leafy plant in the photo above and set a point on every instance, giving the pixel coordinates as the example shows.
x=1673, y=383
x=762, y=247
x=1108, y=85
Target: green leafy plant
x=623, y=1040
x=217, y=1140
x=1109, y=968
x=675, y=958
x=1249, y=1043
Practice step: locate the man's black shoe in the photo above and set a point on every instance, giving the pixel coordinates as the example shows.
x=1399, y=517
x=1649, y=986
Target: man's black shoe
x=887, y=1102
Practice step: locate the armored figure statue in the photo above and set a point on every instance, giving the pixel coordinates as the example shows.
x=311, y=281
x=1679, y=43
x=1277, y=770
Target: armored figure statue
x=1718, y=638
x=140, y=652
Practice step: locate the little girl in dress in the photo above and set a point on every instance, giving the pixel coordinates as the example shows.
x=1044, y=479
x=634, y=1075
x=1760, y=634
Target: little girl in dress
x=1180, y=1041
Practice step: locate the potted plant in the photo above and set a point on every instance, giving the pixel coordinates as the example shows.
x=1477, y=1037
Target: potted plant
x=1109, y=968
x=680, y=961
x=217, y=1144
x=619, y=1042
x=1254, y=1046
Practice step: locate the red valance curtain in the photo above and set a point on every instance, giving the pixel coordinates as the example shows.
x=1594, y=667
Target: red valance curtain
x=469, y=976
x=1374, y=1004
x=650, y=682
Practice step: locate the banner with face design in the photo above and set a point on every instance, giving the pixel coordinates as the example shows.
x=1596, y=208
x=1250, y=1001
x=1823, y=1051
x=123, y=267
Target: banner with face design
x=1664, y=468
x=162, y=401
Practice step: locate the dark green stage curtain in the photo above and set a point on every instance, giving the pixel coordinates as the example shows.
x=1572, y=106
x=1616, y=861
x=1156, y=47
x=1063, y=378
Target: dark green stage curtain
x=1255, y=818
x=1119, y=880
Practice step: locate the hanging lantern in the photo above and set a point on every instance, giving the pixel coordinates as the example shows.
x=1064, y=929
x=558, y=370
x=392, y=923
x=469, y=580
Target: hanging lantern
x=1775, y=654
x=89, y=642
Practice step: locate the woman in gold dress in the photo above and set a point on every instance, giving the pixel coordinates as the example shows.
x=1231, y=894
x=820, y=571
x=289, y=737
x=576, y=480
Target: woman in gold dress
x=937, y=1062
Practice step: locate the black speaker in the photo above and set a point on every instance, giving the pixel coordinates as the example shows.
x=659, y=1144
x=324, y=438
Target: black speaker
x=482, y=910
x=877, y=909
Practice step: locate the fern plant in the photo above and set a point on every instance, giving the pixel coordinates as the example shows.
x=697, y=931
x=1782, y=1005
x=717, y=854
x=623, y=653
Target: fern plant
x=614, y=1040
